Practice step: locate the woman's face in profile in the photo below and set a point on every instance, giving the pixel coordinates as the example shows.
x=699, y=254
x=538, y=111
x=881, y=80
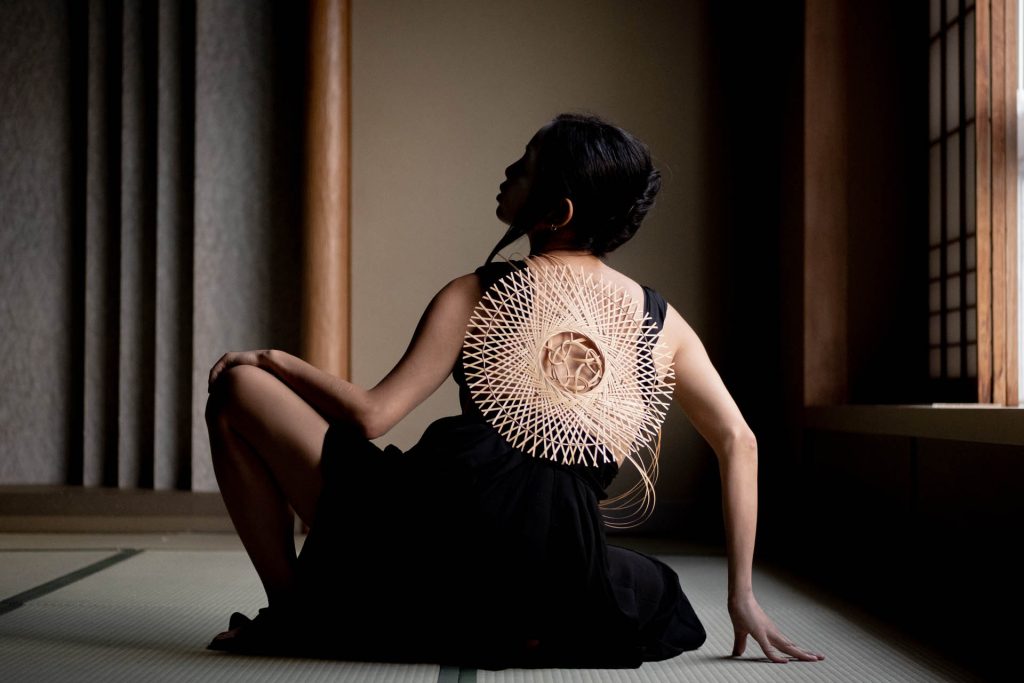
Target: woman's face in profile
x=518, y=180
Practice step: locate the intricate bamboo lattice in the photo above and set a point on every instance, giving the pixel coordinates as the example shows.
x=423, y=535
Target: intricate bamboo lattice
x=565, y=368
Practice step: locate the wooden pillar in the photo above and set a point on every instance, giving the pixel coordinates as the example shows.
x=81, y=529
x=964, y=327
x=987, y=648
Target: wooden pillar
x=996, y=192
x=983, y=190
x=1000, y=183
x=1012, y=275
x=1005, y=284
x=326, y=279
x=825, y=206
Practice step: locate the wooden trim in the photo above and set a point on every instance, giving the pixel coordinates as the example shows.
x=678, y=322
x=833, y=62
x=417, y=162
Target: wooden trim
x=1009, y=268
x=825, y=207
x=999, y=205
x=965, y=422
x=983, y=194
x=998, y=326
x=326, y=311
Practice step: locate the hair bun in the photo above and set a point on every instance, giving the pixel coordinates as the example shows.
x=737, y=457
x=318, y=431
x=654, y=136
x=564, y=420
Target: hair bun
x=645, y=201
x=621, y=230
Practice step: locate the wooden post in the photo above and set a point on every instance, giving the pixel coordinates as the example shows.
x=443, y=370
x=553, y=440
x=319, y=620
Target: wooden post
x=983, y=194
x=326, y=273
x=825, y=207
x=1011, y=324
x=996, y=97
x=999, y=195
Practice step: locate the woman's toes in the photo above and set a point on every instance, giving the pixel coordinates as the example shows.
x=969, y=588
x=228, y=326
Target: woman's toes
x=224, y=639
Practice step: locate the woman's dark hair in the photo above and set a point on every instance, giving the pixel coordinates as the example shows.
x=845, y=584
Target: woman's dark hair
x=605, y=171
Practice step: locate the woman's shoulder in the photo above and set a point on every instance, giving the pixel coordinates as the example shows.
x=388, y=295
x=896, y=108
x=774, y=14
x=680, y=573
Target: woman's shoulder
x=490, y=272
x=473, y=285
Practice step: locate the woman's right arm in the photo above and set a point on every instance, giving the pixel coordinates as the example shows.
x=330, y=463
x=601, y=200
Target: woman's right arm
x=334, y=398
x=427, y=362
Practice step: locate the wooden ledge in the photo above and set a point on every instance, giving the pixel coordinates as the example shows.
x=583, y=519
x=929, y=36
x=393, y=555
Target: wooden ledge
x=74, y=508
x=980, y=423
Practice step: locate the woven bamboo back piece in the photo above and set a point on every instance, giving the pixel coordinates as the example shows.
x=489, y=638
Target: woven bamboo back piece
x=568, y=367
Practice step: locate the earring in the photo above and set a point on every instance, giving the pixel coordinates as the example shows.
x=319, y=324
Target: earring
x=553, y=227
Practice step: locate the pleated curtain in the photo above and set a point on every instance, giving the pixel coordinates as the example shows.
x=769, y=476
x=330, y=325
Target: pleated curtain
x=169, y=218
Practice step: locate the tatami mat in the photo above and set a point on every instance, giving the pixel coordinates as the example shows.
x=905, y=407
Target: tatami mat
x=67, y=642
x=149, y=616
x=213, y=582
x=856, y=646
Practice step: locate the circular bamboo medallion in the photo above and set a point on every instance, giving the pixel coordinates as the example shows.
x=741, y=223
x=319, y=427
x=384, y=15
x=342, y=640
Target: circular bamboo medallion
x=571, y=362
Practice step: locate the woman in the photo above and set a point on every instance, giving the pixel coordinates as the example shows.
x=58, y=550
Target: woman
x=465, y=549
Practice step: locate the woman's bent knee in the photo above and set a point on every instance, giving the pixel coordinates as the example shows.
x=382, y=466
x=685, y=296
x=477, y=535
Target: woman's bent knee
x=229, y=390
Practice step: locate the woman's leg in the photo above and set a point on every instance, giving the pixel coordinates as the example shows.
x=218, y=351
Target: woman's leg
x=266, y=444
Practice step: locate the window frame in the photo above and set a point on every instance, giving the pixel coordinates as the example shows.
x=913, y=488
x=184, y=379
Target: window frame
x=996, y=77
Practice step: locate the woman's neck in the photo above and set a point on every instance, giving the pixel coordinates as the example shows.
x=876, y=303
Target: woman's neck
x=574, y=260
x=566, y=252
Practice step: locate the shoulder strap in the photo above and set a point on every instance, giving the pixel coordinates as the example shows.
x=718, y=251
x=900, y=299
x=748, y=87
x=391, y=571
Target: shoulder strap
x=656, y=306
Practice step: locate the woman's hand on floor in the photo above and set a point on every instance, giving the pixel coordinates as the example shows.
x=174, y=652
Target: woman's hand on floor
x=232, y=358
x=749, y=619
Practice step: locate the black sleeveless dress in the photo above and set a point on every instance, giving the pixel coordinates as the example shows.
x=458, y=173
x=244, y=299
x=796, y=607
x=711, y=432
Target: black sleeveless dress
x=464, y=550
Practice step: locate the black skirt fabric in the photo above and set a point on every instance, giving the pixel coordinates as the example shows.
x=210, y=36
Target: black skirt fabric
x=465, y=550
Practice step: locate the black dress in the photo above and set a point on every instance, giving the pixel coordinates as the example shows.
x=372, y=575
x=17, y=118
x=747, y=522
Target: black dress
x=462, y=550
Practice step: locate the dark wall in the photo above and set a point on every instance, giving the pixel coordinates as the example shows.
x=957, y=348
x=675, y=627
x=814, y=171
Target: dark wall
x=887, y=93
x=758, y=170
x=920, y=532
x=756, y=181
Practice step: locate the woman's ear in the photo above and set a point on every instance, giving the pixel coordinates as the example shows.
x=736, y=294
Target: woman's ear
x=560, y=216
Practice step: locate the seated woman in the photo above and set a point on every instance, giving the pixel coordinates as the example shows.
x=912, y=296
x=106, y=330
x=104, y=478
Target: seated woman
x=472, y=548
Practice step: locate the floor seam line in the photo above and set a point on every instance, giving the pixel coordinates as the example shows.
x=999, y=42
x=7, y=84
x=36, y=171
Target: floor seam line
x=449, y=673
x=15, y=601
x=59, y=550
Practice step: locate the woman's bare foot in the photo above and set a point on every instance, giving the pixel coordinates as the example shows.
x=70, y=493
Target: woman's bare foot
x=232, y=638
x=224, y=637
